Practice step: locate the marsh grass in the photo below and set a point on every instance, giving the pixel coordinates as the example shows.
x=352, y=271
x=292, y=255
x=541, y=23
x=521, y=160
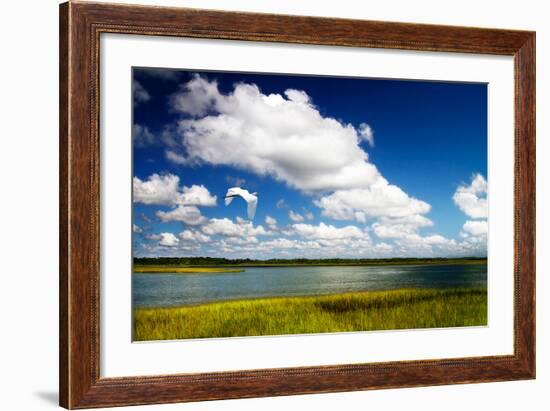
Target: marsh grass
x=360, y=311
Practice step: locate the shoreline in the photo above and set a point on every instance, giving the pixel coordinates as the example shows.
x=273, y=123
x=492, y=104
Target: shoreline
x=183, y=270
x=235, y=268
x=314, y=296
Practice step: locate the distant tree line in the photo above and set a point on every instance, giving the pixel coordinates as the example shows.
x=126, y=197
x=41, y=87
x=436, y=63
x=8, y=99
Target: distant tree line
x=213, y=261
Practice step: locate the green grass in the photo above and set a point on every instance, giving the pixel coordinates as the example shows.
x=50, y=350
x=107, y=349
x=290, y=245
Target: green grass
x=361, y=311
x=183, y=270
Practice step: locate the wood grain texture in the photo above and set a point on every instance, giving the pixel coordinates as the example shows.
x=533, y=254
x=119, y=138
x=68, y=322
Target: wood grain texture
x=63, y=205
x=80, y=27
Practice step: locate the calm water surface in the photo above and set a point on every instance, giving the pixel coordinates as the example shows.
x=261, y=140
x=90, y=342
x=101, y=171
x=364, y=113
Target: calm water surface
x=164, y=290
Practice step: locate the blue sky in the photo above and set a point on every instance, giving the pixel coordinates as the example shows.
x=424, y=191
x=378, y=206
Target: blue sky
x=345, y=167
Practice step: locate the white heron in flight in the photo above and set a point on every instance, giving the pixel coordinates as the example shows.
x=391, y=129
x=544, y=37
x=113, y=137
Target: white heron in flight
x=251, y=199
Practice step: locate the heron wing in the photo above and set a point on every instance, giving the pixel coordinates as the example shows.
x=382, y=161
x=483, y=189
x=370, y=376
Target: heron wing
x=251, y=208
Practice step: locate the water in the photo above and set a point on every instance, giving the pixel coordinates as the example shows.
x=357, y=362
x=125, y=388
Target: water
x=164, y=290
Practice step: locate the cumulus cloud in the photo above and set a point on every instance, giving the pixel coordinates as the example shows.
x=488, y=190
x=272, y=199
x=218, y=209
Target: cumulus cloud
x=168, y=240
x=297, y=218
x=381, y=199
x=190, y=215
x=415, y=244
x=226, y=227
x=240, y=240
x=142, y=136
x=328, y=232
x=291, y=244
x=145, y=218
x=318, y=241
x=159, y=190
x=400, y=227
x=383, y=247
x=140, y=94
x=271, y=222
x=404, y=231
x=175, y=157
x=196, y=97
x=192, y=235
x=475, y=228
x=197, y=195
x=472, y=199
x=165, y=190
x=252, y=131
x=137, y=229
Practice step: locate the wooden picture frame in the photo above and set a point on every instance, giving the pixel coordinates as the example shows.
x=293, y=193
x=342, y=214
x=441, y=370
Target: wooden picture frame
x=80, y=27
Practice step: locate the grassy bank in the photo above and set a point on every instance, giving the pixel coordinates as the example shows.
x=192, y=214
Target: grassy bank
x=361, y=311
x=183, y=270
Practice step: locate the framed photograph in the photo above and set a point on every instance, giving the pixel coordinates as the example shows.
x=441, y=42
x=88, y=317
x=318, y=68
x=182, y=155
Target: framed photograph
x=258, y=205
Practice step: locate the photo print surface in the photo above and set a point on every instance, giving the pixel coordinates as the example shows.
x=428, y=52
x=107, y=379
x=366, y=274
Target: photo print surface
x=271, y=204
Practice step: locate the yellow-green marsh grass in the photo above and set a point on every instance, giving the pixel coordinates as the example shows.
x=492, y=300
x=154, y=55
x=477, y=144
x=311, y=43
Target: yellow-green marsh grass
x=183, y=270
x=359, y=311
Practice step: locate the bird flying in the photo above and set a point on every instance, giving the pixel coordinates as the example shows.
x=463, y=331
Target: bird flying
x=251, y=199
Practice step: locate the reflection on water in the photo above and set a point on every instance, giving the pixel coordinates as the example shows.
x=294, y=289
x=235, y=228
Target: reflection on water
x=160, y=290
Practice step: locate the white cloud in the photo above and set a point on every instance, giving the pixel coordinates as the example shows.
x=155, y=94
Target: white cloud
x=197, y=195
x=383, y=247
x=175, y=157
x=285, y=243
x=145, y=218
x=379, y=200
x=475, y=228
x=142, y=136
x=196, y=97
x=297, y=218
x=472, y=199
x=159, y=190
x=366, y=133
x=271, y=222
x=136, y=228
x=164, y=190
x=281, y=203
x=140, y=94
x=252, y=131
x=400, y=227
x=415, y=244
x=240, y=240
x=192, y=235
x=328, y=232
x=226, y=227
x=309, y=215
x=168, y=240
x=190, y=215
x=317, y=242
